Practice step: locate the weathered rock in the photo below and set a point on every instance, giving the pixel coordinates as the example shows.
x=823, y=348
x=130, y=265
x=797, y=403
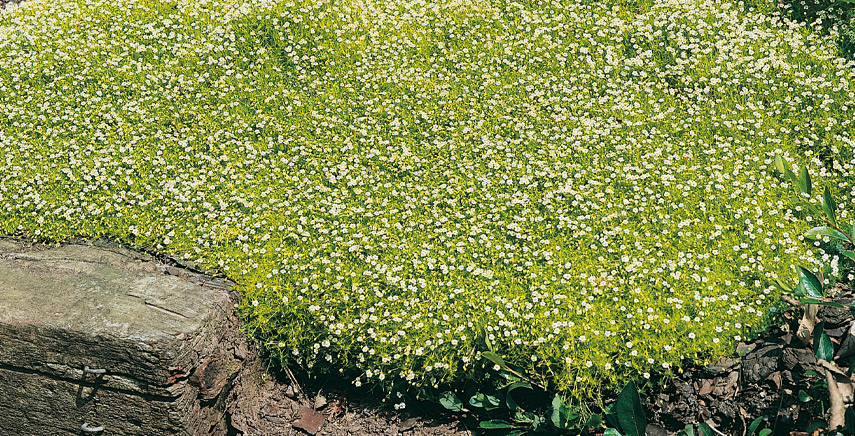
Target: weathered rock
x=101, y=335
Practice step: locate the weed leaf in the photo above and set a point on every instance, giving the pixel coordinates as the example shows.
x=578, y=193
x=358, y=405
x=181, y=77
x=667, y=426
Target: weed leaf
x=822, y=303
x=753, y=426
x=495, y=423
x=779, y=163
x=804, y=182
x=820, y=232
x=484, y=401
x=629, y=412
x=451, y=402
x=829, y=206
x=493, y=357
x=561, y=414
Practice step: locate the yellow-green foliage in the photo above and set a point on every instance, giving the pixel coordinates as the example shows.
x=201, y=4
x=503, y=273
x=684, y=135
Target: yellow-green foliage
x=587, y=187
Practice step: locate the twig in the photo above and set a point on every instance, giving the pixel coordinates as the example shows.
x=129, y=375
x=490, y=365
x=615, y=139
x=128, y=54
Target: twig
x=790, y=300
x=837, y=409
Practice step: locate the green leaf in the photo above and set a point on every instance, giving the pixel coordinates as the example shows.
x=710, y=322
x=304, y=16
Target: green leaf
x=516, y=433
x=810, y=283
x=849, y=420
x=689, y=430
x=822, y=303
x=629, y=412
x=510, y=403
x=495, y=423
x=495, y=358
x=783, y=286
x=765, y=432
x=484, y=401
x=611, y=432
x=704, y=429
x=804, y=397
x=451, y=402
x=518, y=385
x=849, y=254
x=829, y=206
x=793, y=179
x=804, y=181
x=779, y=163
x=753, y=426
x=822, y=346
x=561, y=414
x=822, y=231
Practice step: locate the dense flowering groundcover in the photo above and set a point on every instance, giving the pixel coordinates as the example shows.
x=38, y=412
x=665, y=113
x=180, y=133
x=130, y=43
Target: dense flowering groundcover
x=586, y=188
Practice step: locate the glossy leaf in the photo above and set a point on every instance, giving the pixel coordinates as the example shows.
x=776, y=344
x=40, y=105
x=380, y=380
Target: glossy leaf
x=804, y=397
x=611, y=432
x=810, y=283
x=822, y=346
x=829, y=206
x=629, y=412
x=765, y=432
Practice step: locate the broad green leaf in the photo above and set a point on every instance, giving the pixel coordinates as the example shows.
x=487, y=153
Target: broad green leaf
x=629, y=412
x=561, y=414
x=829, y=206
x=804, y=397
x=611, y=432
x=495, y=423
x=704, y=429
x=451, y=402
x=510, y=403
x=810, y=283
x=822, y=346
x=822, y=231
x=689, y=430
x=779, y=163
x=493, y=357
x=804, y=181
x=849, y=420
x=765, y=432
x=484, y=401
x=753, y=426
x=793, y=179
x=517, y=385
x=594, y=421
x=849, y=254
x=822, y=303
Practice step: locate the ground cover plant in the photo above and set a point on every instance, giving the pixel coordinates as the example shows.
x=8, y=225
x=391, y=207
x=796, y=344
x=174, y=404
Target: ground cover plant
x=585, y=189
